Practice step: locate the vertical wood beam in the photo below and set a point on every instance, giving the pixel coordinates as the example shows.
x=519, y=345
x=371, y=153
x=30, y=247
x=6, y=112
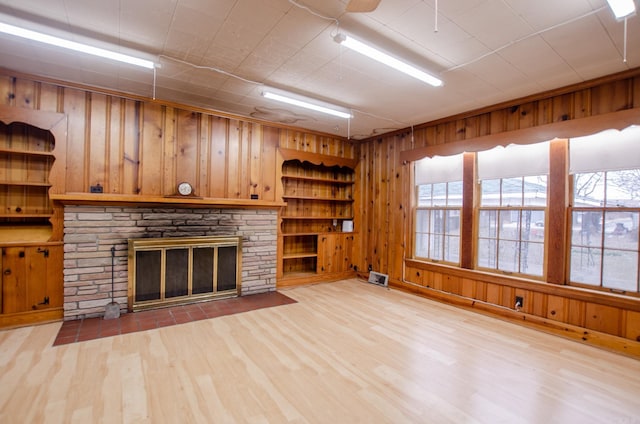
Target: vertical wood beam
x=558, y=204
x=467, y=256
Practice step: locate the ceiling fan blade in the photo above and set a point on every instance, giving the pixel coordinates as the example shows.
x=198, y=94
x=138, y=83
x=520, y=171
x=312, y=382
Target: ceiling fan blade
x=362, y=6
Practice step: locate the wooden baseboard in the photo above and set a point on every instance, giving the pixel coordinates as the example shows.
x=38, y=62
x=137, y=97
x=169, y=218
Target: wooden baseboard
x=583, y=335
x=22, y=319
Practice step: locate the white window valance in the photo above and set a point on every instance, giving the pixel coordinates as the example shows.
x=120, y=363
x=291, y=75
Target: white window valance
x=514, y=161
x=610, y=150
x=439, y=169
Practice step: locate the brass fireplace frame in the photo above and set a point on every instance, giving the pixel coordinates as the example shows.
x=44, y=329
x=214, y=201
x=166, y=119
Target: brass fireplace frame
x=163, y=245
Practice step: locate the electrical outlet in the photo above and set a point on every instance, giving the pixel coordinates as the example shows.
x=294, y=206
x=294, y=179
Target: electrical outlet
x=520, y=301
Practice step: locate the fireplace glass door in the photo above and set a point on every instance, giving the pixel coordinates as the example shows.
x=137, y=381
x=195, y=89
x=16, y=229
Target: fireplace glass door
x=173, y=271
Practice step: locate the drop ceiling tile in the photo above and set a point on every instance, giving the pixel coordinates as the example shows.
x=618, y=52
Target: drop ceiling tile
x=493, y=23
x=536, y=59
x=577, y=42
x=543, y=14
x=146, y=23
x=494, y=70
x=99, y=16
x=297, y=28
x=35, y=9
x=199, y=24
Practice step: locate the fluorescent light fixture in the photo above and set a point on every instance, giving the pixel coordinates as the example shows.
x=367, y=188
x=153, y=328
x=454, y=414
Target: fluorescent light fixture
x=384, y=58
x=307, y=103
x=622, y=8
x=72, y=45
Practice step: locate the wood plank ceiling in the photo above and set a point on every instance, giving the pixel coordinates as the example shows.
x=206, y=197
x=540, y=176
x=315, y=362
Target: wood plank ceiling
x=219, y=54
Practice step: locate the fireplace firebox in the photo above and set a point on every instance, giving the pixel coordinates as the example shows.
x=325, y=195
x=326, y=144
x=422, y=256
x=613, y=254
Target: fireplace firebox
x=177, y=270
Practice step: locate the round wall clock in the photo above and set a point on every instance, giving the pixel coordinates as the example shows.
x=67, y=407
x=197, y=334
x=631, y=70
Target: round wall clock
x=185, y=189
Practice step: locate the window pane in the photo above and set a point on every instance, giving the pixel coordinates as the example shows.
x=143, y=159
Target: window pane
x=452, y=249
x=435, y=247
x=439, y=194
x=588, y=189
x=487, y=253
x=422, y=238
x=422, y=241
x=508, y=256
x=585, y=229
x=623, y=188
x=532, y=258
x=509, y=225
x=455, y=194
x=453, y=222
x=620, y=270
x=488, y=223
x=585, y=265
x=424, y=195
x=437, y=221
x=532, y=227
x=535, y=191
x=490, y=193
x=512, y=191
x=621, y=230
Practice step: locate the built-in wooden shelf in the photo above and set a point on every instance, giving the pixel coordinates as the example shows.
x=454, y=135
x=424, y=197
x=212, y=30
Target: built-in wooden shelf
x=97, y=199
x=25, y=183
x=318, y=218
x=316, y=233
x=317, y=180
x=25, y=215
x=320, y=199
x=25, y=152
x=318, y=189
x=318, y=159
x=300, y=255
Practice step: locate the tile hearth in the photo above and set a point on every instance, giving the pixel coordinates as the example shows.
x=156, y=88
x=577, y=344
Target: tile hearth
x=95, y=328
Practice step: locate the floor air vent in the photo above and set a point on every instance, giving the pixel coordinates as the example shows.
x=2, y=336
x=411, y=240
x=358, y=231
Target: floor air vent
x=379, y=279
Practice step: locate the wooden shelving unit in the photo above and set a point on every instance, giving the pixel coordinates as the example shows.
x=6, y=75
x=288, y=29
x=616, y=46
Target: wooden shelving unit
x=31, y=281
x=318, y=191
x=26, y=158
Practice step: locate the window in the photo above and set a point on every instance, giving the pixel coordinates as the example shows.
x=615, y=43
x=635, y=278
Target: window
x=511, y=216
x=605, y=210
x=439, y=203
x=505, y=222
x=438, y=221
x=511, y=225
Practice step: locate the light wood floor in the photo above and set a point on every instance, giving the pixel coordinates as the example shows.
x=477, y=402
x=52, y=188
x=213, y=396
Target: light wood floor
x=347, y=352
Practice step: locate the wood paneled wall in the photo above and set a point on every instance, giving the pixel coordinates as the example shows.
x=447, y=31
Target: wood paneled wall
x=143, y=147
x=384, y=240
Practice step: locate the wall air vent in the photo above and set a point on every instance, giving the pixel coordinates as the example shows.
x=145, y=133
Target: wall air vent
x=379, y=279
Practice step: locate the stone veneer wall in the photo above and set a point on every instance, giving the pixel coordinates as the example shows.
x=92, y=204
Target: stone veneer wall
x=91, y=231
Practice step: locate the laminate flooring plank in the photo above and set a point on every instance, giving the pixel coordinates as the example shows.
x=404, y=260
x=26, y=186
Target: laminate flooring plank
x=345, y=352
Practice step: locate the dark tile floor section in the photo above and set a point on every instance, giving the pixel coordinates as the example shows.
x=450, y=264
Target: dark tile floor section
x=95, y=328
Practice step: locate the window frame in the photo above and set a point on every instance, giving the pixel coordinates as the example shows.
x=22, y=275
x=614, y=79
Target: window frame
x=520, y=209
x=602, y=210
x=445, y=209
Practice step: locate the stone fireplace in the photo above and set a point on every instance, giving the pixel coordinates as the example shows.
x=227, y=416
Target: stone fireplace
x=90, y=232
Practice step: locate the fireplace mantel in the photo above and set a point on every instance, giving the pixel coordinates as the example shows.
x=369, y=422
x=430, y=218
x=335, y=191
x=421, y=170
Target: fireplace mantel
x=100, y=199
